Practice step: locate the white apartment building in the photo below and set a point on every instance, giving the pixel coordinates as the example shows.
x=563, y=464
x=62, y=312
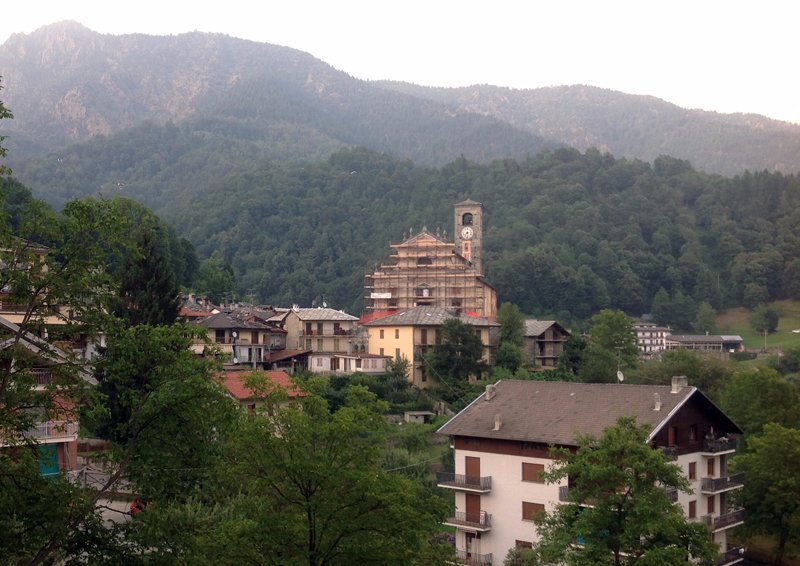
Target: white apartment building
x=502, y=441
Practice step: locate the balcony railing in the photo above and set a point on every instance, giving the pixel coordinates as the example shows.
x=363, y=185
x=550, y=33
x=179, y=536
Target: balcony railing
x=563, y=493
x=731, y=556
x=450, y=480
x=473, y=559
x=481, y=521
x=717, y=445
x=46, y=432
x=725, y=520
x=670, y=452
x=715, y=485
x=672, y=493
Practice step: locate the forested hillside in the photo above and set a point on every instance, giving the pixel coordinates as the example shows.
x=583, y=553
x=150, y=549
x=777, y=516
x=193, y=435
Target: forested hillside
x=567, y=232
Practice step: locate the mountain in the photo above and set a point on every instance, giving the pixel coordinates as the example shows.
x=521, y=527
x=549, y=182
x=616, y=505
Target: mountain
x=67, y=84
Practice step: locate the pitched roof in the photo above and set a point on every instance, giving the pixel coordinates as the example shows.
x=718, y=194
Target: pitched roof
x=323, y=313
x=467, y=202
x=227, y=320
x=428, y=316
x=235, y=383
x=557, y=412
x=709, y=338
x=538, y=327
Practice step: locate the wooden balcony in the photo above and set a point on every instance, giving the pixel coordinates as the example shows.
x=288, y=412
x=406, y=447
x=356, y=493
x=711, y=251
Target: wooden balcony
x=670, y=452
x=711, y=486
x=461, y=482
x=473, y=559
x=481, y=521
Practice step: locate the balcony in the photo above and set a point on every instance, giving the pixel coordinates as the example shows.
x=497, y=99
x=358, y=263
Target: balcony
x=473, y=559
x=732, y=556
x=726, y=520
x=48, y=432
x=672, y=493
x=710, y=486
x=670, y=452
x=480, y=521
x=476, y=484
x=716, y=446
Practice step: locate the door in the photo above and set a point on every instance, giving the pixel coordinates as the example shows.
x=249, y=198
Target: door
x=472, y=469
x=473, y=508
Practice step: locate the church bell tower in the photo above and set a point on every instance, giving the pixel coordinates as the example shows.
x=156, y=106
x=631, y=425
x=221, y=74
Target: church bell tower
x=469, y=232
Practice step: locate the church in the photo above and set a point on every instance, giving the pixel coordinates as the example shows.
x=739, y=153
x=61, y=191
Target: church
x=427, y=270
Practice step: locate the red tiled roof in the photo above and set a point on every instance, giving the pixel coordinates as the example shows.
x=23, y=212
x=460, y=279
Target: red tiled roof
x=235, y=383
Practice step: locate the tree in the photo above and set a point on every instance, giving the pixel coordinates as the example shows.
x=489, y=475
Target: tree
x=512, y=336
x=764, y=319
x=215, y=279
x=459, y=356
x=149, y=292
x=5, y=114
x=705, y=321
x=307, y=487
x=613, y=331
x=760, y=396
x=771, y=494
x=631, y=519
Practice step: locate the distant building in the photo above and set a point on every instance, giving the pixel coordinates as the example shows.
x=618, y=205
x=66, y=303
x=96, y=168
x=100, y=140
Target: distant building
x=320, y=329
x=651, y=339
x=721, y=344
x=544, y=343
x=236, y=383
x=410, y=334
x=428, y=270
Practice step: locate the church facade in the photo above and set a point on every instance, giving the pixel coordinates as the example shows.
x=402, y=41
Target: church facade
x=427, y=270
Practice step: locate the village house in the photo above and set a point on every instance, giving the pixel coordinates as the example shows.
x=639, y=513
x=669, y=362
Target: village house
x=239, y=385
x=502, y=443
x=39, y=364
x=244, y=340
x=428, y=270
x=412, y=333
x=651, y=339
x=543, y=344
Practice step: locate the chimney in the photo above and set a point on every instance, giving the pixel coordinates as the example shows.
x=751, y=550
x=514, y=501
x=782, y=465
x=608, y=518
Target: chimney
x=678, y=383
x=490, y=392
x=656, y=402
x=498, y=422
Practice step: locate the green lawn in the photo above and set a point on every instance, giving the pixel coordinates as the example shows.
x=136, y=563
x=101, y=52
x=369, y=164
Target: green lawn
x=736, y=321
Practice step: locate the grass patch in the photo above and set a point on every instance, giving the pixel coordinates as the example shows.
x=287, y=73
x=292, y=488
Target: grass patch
x=737, y=321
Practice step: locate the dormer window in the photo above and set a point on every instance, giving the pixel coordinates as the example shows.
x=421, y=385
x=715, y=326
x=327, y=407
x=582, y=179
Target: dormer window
x=424, y=261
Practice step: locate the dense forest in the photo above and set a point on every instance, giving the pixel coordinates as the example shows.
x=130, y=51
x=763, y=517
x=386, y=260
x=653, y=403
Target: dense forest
x=568, y=233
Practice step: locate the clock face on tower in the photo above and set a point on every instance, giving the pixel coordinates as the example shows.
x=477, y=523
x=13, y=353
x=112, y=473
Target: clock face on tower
x=467, y=233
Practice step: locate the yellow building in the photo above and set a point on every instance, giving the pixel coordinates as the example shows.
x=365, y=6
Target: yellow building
x=411, y=333
x=428, y=270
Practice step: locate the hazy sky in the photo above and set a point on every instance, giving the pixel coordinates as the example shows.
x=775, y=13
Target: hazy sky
x=728, y=56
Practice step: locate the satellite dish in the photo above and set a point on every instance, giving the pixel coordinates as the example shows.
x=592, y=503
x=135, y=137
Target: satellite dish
x=620, y=377
x=296, y=307
x=234, y=334
x=236, y=360
x=324, y=304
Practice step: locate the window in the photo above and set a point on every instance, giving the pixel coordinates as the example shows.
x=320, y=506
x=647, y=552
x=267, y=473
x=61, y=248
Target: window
x=319, y=362
x=335, y=344
x=466, y=219
x=711, y=467
x=381, y=351
x=672, y=436
x=319, y=329
x=397, y=353
x=523, y=544
x=424, y=261
x=396, y=333
x=381, y=333
x=692, y=509
x=219, y=335
x=423, y=336
x=693, y=432
x=532, y=472
x=692, y=470
x=358, y=363
x=711, y=504
x=319, y=345
x=530, y=509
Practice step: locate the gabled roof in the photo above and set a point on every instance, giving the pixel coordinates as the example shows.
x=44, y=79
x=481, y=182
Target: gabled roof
x=428, y=316
x=39, y=347
x=235, y=383
x=227, y=320
x=538, y=327
x=468, y=202
x=323, y=314
x=556, y=412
